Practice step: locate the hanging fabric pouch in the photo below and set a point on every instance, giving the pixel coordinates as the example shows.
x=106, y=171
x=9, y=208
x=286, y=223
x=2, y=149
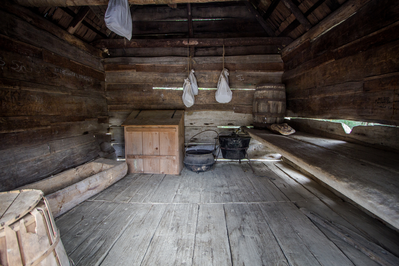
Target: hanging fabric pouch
x=193, y=82
x=188, y=96
x=118, y=18
x=223, y=93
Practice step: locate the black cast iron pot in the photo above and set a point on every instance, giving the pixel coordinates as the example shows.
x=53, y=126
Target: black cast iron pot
x=234, y=146
x=199, y=160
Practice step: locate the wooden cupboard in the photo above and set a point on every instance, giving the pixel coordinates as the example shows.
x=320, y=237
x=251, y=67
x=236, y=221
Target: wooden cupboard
x=154, y=141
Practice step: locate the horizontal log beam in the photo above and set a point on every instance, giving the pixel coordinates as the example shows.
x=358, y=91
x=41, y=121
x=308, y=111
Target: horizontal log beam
x=195, y=42
x=49, y=3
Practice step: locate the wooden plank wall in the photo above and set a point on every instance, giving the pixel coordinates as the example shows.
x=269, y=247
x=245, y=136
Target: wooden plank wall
x=350, y=71
x=130, y=82
x=52, y=100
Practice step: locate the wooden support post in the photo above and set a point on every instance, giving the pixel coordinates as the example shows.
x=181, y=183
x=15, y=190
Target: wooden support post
x=190, y=21
x=77, y=20
x=260, y=19
x=190, y=28
x=298, y=14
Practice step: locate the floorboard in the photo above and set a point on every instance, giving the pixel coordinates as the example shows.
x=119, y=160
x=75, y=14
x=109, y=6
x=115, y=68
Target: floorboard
x=102, y=238
x=211, y=241
x=229, y=215
x=133, y=244
x=173, y=242
x=251, y=239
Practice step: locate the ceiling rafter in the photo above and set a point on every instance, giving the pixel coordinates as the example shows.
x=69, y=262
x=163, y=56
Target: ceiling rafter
x=296, y=23
x=260, y=19
x=298, y=14
x=86, y=24
x=270, y=10
x=78, y=19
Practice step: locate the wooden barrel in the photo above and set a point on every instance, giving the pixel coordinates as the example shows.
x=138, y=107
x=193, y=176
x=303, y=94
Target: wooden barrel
x=269, y=105
x=28, y=234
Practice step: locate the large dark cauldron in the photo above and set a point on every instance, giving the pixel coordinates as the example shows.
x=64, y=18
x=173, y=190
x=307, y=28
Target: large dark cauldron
x=199, y=160
x=234, y=146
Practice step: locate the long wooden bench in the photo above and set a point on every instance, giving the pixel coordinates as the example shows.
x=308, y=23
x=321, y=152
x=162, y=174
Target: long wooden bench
x=367, y=176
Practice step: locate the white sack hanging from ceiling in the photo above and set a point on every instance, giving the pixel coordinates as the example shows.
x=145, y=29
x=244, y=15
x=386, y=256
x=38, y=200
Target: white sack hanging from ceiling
x=223, y=93
x=193, y=82
x=118, y=18
x=188, y=96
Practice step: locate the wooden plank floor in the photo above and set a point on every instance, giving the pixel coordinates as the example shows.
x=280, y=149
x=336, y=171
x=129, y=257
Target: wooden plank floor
x=226, y=216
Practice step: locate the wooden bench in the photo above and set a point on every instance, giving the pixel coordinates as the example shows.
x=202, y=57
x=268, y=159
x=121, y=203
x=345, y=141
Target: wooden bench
x=367, y=176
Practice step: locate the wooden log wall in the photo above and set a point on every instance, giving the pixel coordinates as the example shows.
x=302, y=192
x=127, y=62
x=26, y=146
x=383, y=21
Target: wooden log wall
x=52, y=99
x=349, y=72
x=130, y=82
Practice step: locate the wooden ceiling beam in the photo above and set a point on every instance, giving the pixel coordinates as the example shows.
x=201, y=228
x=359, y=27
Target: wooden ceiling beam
x=296, y=23
x=270, y=10
x=86, y=24
x=195, y=42
x=298, y=14
x=260, y=19
x=77, y=20
x=50, y=3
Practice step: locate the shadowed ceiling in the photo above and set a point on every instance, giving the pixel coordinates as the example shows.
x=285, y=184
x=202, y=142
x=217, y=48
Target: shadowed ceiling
x=172, y=19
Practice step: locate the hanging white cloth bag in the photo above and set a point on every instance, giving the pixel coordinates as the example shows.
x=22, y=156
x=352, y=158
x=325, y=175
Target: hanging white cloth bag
x=118, y=18
x=188, y=96
x=223, y=93
x=193, y=82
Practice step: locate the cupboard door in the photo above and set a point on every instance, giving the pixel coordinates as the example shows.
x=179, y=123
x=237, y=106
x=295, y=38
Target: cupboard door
x=168, y=146
x=151, y=147
x=134, y=146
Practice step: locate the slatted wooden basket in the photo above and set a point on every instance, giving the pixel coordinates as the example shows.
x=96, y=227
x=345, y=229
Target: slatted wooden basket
x=28, y=234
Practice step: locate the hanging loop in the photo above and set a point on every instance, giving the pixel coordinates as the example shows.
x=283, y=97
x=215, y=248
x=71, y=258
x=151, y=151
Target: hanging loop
x=223, y=56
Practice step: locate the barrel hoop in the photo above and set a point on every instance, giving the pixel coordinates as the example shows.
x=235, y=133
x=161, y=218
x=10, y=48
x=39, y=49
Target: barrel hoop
x=271, y=99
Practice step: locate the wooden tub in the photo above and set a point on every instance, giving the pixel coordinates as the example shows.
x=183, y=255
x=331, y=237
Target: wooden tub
x=69, y=188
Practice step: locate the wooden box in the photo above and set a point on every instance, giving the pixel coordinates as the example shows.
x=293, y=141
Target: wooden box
x=154, y=141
